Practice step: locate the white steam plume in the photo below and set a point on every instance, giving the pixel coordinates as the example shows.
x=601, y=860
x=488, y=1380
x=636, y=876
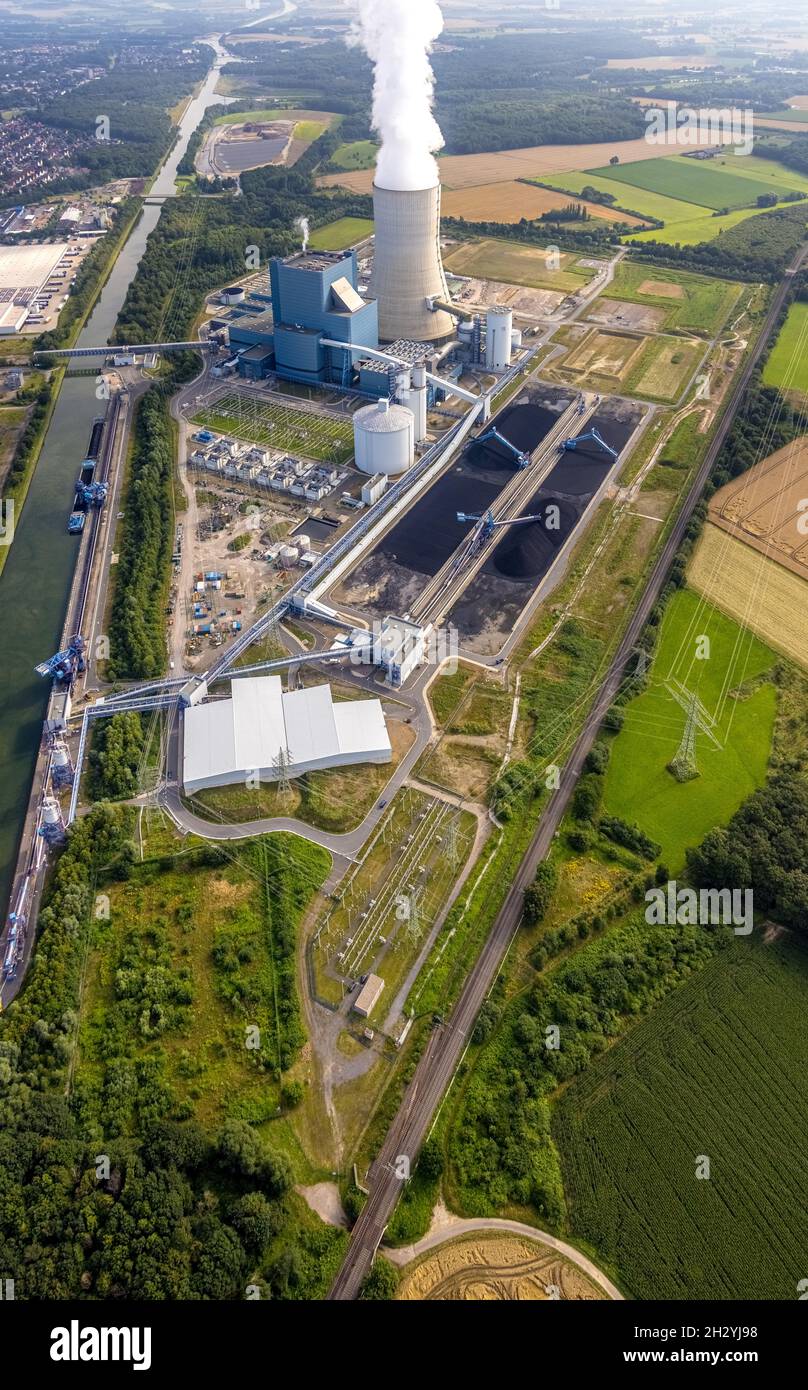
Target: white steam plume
x=302, y=223
x=397, y=36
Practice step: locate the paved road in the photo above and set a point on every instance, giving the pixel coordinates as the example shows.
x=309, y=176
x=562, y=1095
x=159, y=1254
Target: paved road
x=448, y=1042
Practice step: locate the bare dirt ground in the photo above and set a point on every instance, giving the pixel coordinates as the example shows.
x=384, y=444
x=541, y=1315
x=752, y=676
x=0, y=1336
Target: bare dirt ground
x=530, y=303
x=324, y=1199
x=615, y=313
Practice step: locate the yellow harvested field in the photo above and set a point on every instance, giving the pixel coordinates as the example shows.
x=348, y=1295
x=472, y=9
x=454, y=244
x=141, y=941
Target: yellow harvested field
x=495, y=1268
x=510, y=202
x=757, y=592
x=503, y=166
x=661, y=289
x=605, y=354
x=662, y=63
x=767, y=507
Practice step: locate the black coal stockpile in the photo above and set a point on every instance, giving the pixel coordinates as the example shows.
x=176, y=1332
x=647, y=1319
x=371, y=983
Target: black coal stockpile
x=523, y=425
x=527, y=550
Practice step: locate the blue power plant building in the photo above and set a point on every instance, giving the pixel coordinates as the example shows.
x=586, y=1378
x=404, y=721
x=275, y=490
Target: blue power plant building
x=314, y=296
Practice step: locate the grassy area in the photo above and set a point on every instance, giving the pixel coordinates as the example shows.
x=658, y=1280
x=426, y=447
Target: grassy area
x=197, y=946
x=718, y=1070
x=357, y=154
x=517, y=265
x=699, y=182
x=307, y=433
x=309, y=130
x=695, y=303
x=639, y=788
x=335, y=236
x=787, y=364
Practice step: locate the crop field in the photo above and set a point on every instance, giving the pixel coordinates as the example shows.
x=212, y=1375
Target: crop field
x=640, y=200
x=704, y=228
x=769, y=171
x=695, y=182
x=510, y=202
x=335, y=236
x=787, y=366
x=639, y=787
x=702, y=306
x=765, y=506
x=517, y=265
x=754, y=589
x=308, y=434
x=718, y=1069
x=320, y=119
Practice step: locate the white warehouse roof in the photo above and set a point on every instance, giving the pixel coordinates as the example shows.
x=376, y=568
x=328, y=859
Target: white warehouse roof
x=225, y=741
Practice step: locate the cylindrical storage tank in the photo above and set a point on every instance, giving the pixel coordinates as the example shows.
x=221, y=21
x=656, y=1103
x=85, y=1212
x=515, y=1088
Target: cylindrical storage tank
x=51, y=813
x=384, y=438
x=407, y=267
x=60, y=756
x=287, y=554
x=498, y=331
x=516, y=339
x=418, y=401
x=303, y=542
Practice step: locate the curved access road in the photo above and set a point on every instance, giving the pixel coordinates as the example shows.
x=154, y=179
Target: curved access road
x=453, y=1226
x=449, y=1040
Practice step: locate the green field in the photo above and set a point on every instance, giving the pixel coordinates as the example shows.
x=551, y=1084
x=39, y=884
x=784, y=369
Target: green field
x=639, y=200
x=787, y=366
x=312, y=435
x=265, y=114
x=718, y=1069
x=335, y=236
x=691, y=233
x=639, y=787
x=358, y=154
x=768, y=171
x=703, y=306
x=696, y=182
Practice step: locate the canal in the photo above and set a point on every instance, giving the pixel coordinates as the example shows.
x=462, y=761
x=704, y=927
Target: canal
x=35, y=584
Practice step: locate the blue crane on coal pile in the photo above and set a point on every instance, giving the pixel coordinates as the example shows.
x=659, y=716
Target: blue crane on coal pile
x=592, y=435
x=522, y=459
x=486, y=525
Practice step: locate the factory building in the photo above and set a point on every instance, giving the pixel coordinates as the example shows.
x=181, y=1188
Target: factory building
x=262, y=734
x=407, y=271
x=384, y=438
x=315, y=296
x=398, y=646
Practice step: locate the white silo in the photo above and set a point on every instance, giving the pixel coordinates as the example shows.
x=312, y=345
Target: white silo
x=384, y=438
x=407, y=267
x=417, y=401
x=498, y=337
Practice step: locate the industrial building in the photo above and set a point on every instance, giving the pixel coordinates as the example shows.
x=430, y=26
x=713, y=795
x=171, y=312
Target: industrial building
x=398, y=646
x=368, y=996
x=263, y=733
x=25, y=272
x=315, y=296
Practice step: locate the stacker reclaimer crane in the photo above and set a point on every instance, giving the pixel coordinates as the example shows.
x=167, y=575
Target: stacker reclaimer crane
x=522, y=459
x=486, y=525
x=585, y=438
x=66, y=665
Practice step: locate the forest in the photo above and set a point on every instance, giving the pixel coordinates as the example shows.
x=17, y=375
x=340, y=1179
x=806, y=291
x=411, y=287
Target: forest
x=167, y=1209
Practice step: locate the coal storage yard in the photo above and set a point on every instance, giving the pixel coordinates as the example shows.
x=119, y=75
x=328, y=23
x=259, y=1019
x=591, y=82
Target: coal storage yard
x=486, y=613
x=391, y=577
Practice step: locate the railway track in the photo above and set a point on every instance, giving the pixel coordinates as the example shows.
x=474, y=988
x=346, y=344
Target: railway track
x=448, y=1042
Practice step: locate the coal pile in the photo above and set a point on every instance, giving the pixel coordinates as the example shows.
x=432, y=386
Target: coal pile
x=527, y=551
x=523, y=425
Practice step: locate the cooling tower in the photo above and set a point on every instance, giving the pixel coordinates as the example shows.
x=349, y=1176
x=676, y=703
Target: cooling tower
x=407, y=269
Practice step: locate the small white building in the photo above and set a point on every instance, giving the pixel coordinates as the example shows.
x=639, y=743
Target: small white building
x=373, y=489
x=368, y=996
